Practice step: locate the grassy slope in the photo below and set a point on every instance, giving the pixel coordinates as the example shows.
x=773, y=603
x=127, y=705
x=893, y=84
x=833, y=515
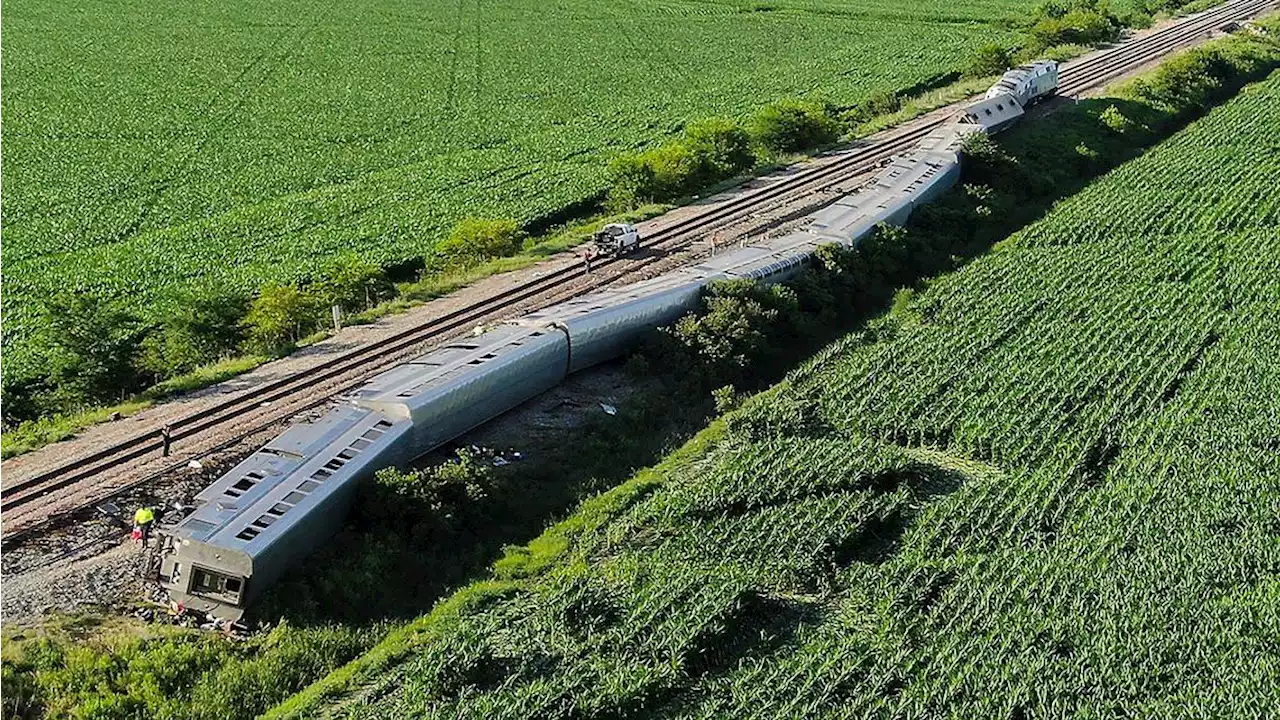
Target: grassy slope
x=147, y=145
x=1048, y=484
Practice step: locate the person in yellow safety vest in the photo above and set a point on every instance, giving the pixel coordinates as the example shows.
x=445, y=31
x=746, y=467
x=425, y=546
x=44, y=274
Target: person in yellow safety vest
x=142, y=521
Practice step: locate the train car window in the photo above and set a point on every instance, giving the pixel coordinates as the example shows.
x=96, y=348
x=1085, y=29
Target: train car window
x=198, y=525
x=307, y=486
x=293, y=498
x=247, y=534
x=208, y=582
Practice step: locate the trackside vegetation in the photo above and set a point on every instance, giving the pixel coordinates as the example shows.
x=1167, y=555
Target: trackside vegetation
x=415, y=538
x=133, y=339
x=247, y=145
x=1042, y=486
x=105, y=360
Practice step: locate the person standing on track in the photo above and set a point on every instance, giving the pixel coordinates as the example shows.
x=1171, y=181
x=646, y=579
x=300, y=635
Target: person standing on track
x=166, y=440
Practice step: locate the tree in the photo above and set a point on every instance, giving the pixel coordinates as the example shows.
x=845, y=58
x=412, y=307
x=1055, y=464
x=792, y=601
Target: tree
x=631, y=181
x=90, y=346
x=794, y=125
x=721, y=146
x=476, y=240
x=353, y=283
x=201, y=326
x=279, y=317
x=990, y=59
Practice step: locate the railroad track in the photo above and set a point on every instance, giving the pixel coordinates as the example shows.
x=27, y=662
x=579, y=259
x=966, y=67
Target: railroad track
x=350, y=369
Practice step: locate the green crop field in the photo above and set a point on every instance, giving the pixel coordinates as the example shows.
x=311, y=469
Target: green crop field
x=150, y=144
x=1049, y=488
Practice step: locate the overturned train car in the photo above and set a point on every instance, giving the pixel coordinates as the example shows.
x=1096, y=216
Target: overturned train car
x=261, y=518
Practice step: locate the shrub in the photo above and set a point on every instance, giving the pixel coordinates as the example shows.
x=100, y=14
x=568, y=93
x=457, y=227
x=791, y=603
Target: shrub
x=990, y=59
x=676, y=170
x=199, y=327
x=1115, y=121
x=89, y=345
x=631, y=181
x=794, y=125
x=23, y=399
x=426, y=501
x=1188, y=82
x=711, y=150
x=22, y=697
x=354, y=283
x=742, y=330
x=1081, y=22
x=474, y=241
x=880, y=102
x=722, y=148
x=279, y=317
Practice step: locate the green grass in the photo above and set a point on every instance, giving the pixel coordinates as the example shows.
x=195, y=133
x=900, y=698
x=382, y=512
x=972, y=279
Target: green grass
x=1050, y=492
x=247, y=143
x=35, y=434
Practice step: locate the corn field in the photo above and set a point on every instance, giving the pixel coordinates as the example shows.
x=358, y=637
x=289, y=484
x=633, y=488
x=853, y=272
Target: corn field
x=149, y=145
x=1050, y=489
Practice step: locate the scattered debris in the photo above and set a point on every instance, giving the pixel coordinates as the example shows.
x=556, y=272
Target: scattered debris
x=609, y=409
x=195, y=465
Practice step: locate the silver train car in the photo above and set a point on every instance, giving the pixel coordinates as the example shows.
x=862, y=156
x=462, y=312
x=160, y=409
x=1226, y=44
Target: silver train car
x=270, y=511
x=1007, y=100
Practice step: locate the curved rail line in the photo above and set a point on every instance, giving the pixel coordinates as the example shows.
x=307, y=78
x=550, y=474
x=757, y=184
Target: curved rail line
x=367, y=360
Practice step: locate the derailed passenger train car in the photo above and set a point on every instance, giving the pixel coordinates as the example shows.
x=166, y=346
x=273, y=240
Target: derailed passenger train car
x=260, y=518
x=267, y=513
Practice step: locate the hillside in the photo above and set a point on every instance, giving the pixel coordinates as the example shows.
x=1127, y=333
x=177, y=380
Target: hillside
x=151, y=146
x=1045, y=485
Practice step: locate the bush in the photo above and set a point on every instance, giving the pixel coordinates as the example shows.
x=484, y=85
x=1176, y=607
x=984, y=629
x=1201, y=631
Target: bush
x=24, y=399
x=22, y=697
x=1188, y=82
x=353, y=283
x=711, y=150
x=1115, y=121
x=631, y=181
x=990, y=59
x=794, y=125
x=424, y=502
x=199, y=327
x=89, y=346
x=279, y=317
x=881, y=102
x=741, y=330
x=475, y=241
x=1081, y=22
x=721, y=147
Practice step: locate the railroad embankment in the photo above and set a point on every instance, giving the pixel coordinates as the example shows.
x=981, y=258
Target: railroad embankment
x=571, y=576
